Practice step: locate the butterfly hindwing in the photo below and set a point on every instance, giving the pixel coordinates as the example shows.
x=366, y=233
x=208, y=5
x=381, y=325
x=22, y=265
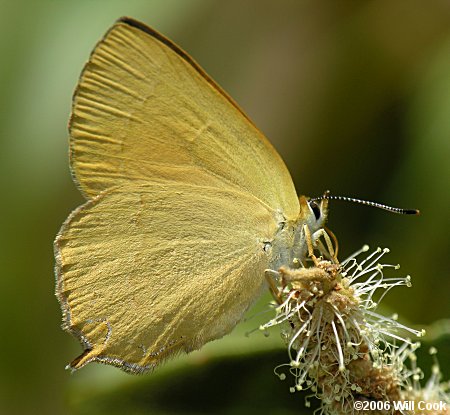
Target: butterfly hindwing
x=153, y=269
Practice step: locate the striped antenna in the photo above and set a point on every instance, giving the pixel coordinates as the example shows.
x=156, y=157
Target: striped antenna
x=367, y=203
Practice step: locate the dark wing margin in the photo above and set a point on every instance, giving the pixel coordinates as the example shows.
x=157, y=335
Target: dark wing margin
x=180, y=52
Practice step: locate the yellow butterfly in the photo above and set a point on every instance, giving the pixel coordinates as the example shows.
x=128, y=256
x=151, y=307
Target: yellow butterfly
x=187, y=205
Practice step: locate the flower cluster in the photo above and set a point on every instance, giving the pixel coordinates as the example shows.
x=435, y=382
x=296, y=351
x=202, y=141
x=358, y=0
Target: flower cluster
x=339, y=347
x=434, y=392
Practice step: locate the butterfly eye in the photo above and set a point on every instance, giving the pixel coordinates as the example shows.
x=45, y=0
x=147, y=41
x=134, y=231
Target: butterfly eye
x=316, y=210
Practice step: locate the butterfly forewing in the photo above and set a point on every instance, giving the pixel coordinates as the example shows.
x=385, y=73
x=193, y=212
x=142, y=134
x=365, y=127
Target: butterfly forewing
x=144, y=109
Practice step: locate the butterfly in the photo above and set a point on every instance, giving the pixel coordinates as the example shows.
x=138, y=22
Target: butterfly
x=188, y=204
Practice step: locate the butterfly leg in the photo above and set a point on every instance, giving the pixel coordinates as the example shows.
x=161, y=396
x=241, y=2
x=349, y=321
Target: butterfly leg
x=274, y=290
x=329, y=245
x=310, y=243
x=336, y=244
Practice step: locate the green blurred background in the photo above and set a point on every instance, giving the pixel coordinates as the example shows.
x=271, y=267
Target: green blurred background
x=355, y=95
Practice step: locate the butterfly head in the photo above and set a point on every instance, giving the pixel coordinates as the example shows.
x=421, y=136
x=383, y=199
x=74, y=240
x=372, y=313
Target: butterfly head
x=313, y=213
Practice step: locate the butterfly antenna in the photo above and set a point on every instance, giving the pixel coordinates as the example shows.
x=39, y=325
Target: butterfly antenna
x=368, y=203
